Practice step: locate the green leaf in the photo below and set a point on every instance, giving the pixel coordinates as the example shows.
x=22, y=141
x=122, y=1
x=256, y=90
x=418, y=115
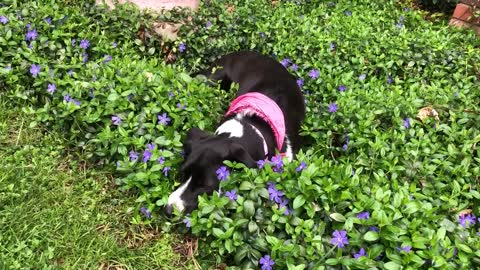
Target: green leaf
x=412, y=207
x=217, y=232
x=371, y=236
x=246, y=185
x=464, y=248
x=338, y=217
x=392, y=266
x=249, y=208
x=298, y=202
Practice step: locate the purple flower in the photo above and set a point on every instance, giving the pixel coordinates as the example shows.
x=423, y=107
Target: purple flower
x=74, y=41
x=70, y=73
x=232, y=195
x=31, y=35
x=399, y=25
x=166, y=170
x=373, y=229
x=114, y=45
x=146, y=212
x=390, y=79
x=362, y=77
x=275, y=195
x=363, y=215
x=406, y=122
x=84, y=44
x=222, y=173
x=302, y=166
x=171, y=94
x=266, y=262
x=76, y=102
x=92, y=94
x=261, y=164
x=151, y=146
x=478, y=233
x=339, y=238
x=313, y=74
x=332, y=46
x=208, y=25
x=333, y=107
x=406, y=9
x=187, y=222
x=34, y=70
x=163, y=119
x=345, y=146
x=67, y=98
x=116, y=120
x=51, y=88
x=180, y=106
x=402, y=18
x=161, y=160
x=48, y=20
x=182, y=47
x=294, y=67
x=467, y=220
x=300, y=82
x=285, y=62
x=407, y=249
x=133, y=155
x=348, y=13
x=146, y=155
x=8, y=68
x=108, y=58
x=3, y=20
x=342, y=88
x=277, y=161
x=261, y=34
x=85, y=57
x=361, y=253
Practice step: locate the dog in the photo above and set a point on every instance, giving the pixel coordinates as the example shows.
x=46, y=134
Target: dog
x=264, y=119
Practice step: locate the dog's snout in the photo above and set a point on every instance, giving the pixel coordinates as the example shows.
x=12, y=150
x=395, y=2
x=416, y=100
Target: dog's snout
x=168, y=210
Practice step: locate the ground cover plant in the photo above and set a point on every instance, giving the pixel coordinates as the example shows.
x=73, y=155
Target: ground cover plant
x=374, y=185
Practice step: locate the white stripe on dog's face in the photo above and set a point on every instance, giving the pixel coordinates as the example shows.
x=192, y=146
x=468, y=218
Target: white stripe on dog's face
x=175, y=199
x=232, y=126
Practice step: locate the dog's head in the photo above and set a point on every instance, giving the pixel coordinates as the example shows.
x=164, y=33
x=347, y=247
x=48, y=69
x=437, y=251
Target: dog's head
x=204, y=155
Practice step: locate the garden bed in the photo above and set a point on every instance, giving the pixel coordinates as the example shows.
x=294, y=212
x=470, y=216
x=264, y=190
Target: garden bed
x=374, y=185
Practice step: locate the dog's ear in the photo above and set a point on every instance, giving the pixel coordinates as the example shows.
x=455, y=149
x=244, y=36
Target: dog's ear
x=195, y=134
x=238, y=153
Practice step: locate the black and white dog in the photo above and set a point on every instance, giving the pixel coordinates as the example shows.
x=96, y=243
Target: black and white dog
x=264, y=118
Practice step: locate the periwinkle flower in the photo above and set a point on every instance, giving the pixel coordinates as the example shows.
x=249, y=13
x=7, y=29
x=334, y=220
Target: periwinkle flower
x=35, y=69
x=222, y=173
x=360, y=254
x=51, y=88
x=266, y=262
x=339, y=238
x=232, y=195
x=146, y=212
x=313, y=73
x=182, y=47
x=84, y=44
x=363, y=215
x=333, y=107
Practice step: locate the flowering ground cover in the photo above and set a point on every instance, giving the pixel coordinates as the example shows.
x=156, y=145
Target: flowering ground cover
x=373, y=186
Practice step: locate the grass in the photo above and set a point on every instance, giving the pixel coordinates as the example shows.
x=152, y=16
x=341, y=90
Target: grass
x=56, y=214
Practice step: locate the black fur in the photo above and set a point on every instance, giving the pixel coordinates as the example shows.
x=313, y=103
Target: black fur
x=205, y=153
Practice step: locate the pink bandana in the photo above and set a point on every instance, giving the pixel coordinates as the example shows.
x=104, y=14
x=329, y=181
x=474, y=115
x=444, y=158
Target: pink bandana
x=263, y=107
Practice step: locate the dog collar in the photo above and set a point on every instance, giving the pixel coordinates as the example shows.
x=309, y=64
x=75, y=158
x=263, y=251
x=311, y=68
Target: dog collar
x=265, y=108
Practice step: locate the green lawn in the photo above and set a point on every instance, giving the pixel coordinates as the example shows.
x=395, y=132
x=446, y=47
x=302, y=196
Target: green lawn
x=56, y=213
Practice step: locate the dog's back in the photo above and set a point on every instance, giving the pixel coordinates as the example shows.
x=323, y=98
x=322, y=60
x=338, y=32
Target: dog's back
x=255, y=72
